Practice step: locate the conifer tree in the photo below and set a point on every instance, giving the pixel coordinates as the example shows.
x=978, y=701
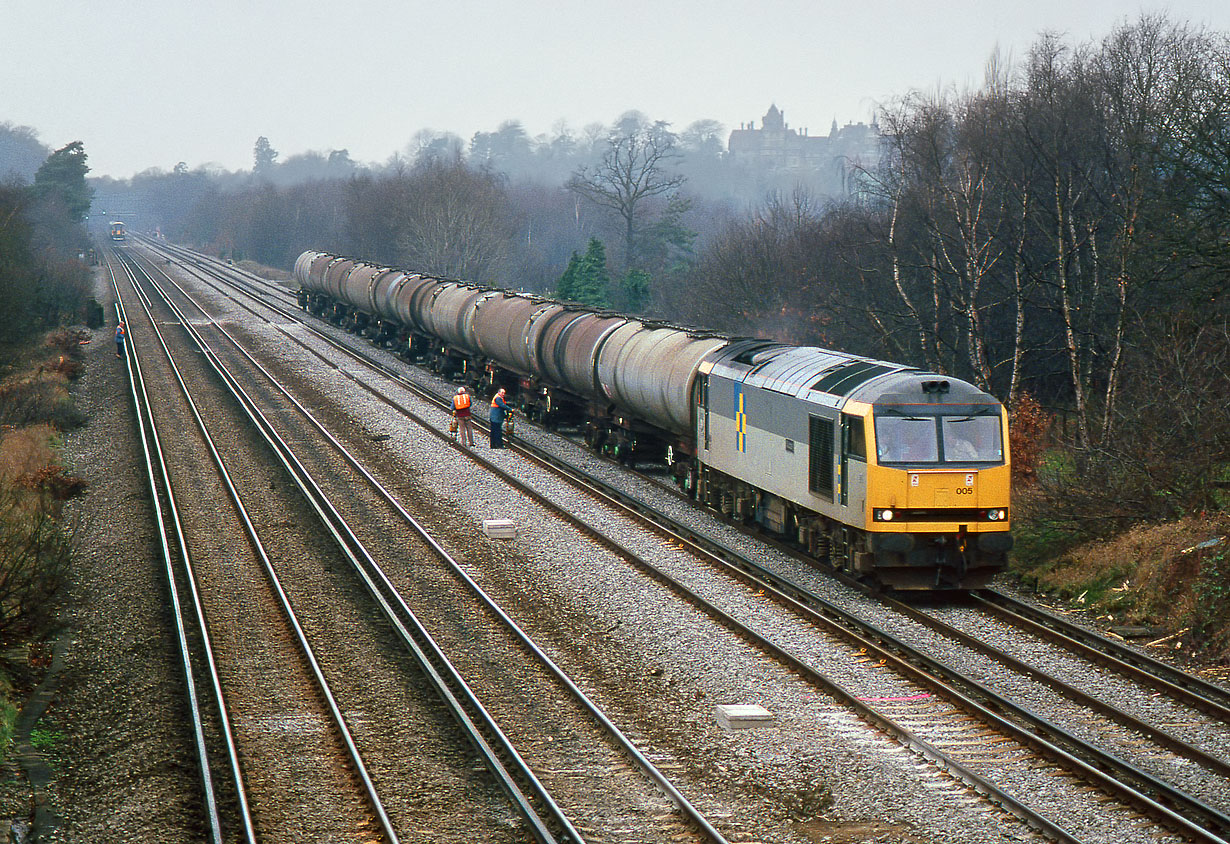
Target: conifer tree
x=566, y=289
x=61, y=181
x=586, y=280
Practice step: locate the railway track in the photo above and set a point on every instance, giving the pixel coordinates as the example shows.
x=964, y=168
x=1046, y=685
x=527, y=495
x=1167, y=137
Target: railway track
x=578, y=769
x=235, y=714
x=197, y=662
x=1143, y=794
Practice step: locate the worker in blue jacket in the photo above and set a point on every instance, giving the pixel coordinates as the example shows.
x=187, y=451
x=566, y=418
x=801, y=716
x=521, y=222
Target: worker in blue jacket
x=499, y=410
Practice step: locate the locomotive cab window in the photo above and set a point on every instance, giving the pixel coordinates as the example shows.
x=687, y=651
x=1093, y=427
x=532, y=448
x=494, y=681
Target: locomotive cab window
x=907, y=439
x=972, y=439
x=853, y=437
x=953, y=438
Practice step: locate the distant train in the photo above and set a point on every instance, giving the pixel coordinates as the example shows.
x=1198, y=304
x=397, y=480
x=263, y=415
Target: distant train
x=888, y=472
x=118, y=231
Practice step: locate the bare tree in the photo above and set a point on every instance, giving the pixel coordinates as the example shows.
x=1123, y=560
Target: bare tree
x=429, y=145
x=633, y=170
x=457, y=223
x=1059, y=122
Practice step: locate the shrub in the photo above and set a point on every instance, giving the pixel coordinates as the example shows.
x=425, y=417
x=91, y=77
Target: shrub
x=41, y=398
x=1210, y=614
x=34, y=556
x=34, y=547
x=8, y=721
x=1029, y=429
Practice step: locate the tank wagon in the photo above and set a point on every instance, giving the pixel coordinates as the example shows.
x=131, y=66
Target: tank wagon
x=892, y=473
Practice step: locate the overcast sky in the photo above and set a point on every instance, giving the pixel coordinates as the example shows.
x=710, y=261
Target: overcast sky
x=148, y=84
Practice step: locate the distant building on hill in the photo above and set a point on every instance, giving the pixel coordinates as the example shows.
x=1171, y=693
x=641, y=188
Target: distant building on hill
x=777, y=150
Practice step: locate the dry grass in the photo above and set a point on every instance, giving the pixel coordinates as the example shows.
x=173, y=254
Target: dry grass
x=25, y=452
x=30, y=469
x=1154, y=575
x=35, y=389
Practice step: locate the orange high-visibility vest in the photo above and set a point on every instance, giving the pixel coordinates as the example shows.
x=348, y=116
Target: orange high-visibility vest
x=461, y=401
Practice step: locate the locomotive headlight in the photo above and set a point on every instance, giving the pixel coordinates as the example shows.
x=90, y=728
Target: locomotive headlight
x=884, y=515
x=996, y=515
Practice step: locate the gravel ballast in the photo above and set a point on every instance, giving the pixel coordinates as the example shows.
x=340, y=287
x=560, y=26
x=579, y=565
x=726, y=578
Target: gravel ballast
x=122, y=767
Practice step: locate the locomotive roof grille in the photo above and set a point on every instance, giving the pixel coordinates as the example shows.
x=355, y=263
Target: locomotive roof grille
x=751, y=355
x=842, y=380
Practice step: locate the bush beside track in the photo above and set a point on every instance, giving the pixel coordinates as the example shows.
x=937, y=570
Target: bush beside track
x=36, y=549
x=1165, y=585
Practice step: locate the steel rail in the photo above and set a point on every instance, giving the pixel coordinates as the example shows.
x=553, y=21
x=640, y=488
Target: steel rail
x=151, y=445
x=1196, y=692
x=431, y=658
x=651, y=770
x=275, y=582
x=974, y=780
x=1030, y=672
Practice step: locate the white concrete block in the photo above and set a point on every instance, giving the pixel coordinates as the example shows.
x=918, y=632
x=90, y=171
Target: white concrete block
x=500, y=528
x=740, y=716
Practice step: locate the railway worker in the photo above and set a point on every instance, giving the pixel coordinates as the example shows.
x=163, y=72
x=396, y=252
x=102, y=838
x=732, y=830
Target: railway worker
x=119, y=340
x=461, y=412
x=499, y=409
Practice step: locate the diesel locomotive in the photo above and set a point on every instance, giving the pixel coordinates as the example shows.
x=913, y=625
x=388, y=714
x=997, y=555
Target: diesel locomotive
x=893, y=474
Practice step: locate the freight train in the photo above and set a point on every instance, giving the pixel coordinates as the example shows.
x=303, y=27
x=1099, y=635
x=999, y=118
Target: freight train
x=896, y=475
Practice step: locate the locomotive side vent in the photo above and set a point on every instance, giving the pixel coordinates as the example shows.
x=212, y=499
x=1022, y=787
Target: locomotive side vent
x=820, y=456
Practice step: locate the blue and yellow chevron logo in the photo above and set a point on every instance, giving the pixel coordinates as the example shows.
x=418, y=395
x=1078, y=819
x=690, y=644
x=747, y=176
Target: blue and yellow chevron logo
x=740, y=419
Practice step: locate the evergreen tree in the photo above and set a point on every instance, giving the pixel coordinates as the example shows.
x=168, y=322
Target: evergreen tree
x=594, y=282
x=61, y=182
x=264, y=156
x=586, y=280
x=566, y=289
x=666, y=244
x=635, y=290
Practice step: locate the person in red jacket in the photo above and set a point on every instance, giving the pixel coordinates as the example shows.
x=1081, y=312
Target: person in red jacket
x=461, y=411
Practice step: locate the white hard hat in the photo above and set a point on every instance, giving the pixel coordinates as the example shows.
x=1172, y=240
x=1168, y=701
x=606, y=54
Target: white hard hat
x=461, y=389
